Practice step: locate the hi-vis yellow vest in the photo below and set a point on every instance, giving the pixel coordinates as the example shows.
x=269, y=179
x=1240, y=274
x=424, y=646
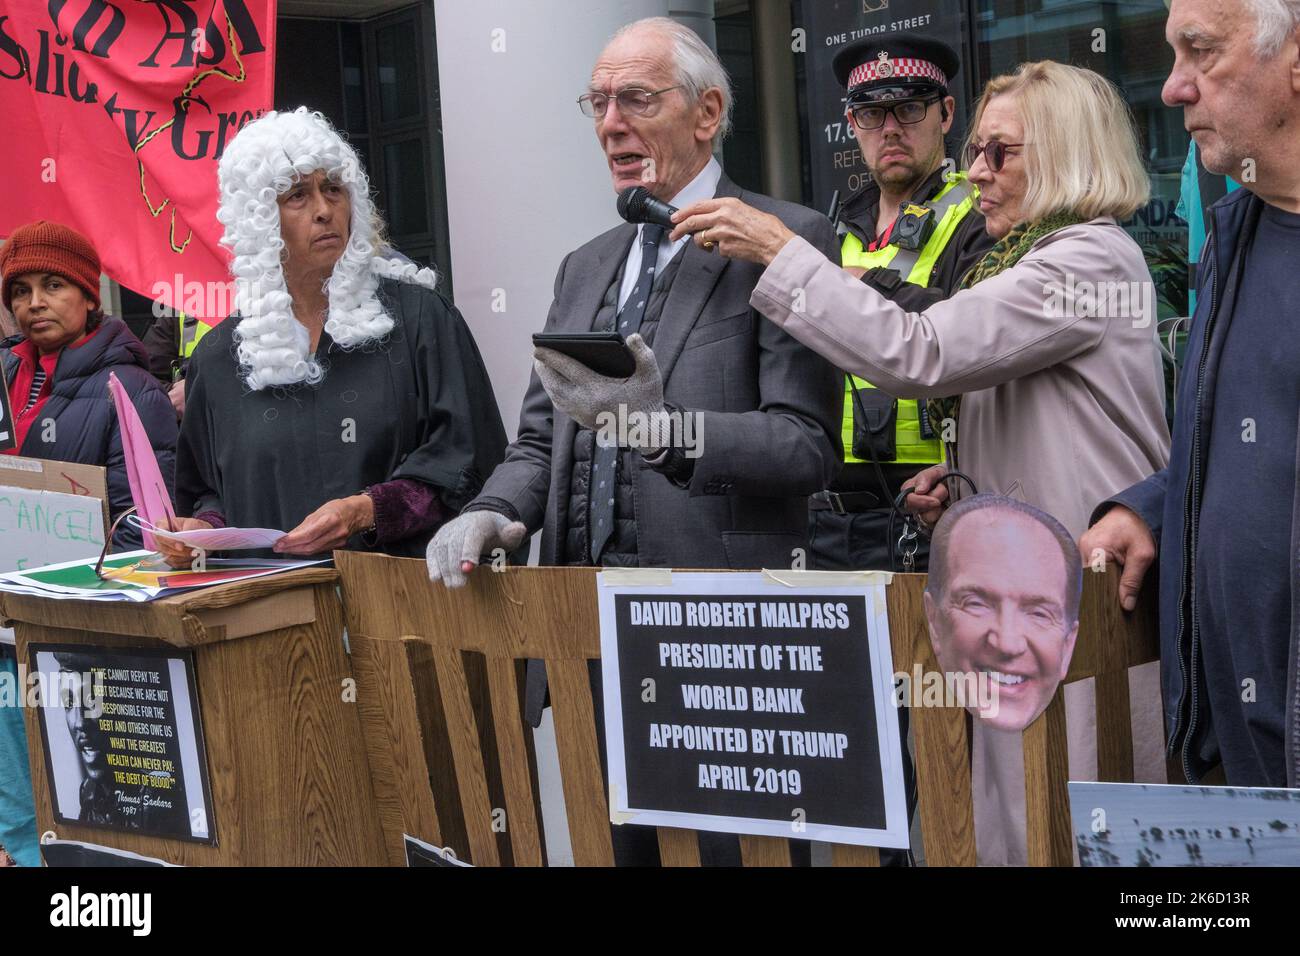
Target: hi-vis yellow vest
x=950, y=206
x=190, y=336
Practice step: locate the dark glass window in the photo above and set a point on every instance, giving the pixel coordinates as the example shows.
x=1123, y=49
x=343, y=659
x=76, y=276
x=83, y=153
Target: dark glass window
x=307, y=67
x=405, y=195
x=742, y=151
x=397, y=62
x=356, y=117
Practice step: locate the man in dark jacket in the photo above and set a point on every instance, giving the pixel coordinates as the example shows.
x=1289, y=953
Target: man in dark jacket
x=57, y=368
x=1223, y=517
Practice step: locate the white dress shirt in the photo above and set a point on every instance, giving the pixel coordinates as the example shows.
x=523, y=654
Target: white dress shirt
x=702, y=187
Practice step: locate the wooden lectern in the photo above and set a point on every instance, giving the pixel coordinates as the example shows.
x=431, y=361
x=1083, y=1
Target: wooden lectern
x=438, y=675
x=286, y=762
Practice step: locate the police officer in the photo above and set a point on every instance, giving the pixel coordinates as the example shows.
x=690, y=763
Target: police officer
x=169, y=342
x=912, y=233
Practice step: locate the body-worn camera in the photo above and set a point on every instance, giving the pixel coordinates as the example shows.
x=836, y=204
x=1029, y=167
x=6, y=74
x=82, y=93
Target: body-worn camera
x=914, y=228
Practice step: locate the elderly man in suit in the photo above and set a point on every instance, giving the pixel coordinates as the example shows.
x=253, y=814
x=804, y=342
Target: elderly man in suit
x=761, y=410
x=754, y=415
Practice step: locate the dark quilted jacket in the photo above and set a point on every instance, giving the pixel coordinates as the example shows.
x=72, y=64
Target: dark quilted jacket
x=85, y=423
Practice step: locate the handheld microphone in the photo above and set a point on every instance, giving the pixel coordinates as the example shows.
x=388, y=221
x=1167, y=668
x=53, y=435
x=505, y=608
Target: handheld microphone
x=636, y=204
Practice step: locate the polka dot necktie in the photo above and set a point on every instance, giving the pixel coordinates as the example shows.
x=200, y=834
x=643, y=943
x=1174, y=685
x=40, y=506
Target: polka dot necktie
x=604, y=461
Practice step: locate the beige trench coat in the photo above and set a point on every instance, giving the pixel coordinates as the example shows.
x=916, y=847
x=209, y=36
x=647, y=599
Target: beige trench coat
x=1063, y=407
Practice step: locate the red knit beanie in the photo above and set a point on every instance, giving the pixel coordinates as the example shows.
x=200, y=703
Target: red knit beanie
x=49, y=247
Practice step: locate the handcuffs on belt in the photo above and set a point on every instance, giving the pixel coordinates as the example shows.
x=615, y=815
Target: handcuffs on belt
x=909, y=543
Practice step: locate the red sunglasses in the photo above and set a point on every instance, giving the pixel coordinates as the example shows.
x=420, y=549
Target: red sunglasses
x=994, y=153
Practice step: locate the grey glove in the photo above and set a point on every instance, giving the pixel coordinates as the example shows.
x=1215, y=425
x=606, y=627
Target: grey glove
x=468, y=538
x=584, y=395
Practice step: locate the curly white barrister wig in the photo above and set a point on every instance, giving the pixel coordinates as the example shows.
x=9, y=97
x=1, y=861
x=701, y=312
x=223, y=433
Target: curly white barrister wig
x=262, y=163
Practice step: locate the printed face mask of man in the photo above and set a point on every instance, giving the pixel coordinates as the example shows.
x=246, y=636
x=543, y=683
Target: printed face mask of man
x=1003, y=614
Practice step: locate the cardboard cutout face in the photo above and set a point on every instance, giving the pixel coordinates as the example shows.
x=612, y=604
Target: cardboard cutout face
x=1002, y=607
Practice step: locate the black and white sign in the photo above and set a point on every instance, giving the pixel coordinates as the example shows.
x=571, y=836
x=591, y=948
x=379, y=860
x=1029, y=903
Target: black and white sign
x=829, y=26
x=738, y=704
x=123, y=740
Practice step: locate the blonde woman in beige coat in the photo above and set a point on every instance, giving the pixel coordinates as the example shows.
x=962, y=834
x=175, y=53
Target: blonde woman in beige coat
x=1051, y=344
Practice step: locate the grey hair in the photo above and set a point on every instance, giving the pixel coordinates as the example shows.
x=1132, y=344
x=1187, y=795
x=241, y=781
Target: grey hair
x=1276, y=20
x=698, y=67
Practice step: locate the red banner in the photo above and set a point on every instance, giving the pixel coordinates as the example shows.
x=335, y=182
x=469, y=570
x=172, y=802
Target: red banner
x=115, y=114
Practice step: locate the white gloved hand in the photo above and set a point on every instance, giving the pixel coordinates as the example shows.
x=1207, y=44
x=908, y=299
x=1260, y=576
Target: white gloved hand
x=584, y=395
x=462, y=541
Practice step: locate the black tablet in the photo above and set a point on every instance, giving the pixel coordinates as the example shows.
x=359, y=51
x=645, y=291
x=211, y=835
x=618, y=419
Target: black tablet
x=603, y=352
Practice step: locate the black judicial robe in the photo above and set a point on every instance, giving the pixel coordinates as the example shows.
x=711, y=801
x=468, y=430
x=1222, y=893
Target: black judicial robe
x=416, y=405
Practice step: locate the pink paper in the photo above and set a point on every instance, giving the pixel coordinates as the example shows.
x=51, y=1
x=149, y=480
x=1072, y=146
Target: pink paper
x=148, y=490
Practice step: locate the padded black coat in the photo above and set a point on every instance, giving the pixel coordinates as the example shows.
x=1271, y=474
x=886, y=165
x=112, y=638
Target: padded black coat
x=85, y=422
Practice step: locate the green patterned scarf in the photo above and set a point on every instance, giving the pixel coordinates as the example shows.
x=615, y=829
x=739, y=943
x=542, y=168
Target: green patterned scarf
x=1016, y=244
x=1010, y=250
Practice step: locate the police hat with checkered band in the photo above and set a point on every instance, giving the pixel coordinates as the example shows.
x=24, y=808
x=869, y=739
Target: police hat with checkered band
x=895, y=66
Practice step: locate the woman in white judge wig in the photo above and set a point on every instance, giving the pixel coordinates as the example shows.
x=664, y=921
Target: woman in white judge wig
x=346, y=401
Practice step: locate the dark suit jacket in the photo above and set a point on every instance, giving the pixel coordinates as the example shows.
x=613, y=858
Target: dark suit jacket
x=770, y=415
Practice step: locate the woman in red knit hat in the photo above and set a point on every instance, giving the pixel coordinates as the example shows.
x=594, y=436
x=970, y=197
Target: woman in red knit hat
x=57, y=367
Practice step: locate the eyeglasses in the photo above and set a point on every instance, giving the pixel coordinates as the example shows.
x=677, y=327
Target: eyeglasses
x=994, y=153
x=111, y=573
x=906, y=112
x=114, y=573
x=632, y=101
